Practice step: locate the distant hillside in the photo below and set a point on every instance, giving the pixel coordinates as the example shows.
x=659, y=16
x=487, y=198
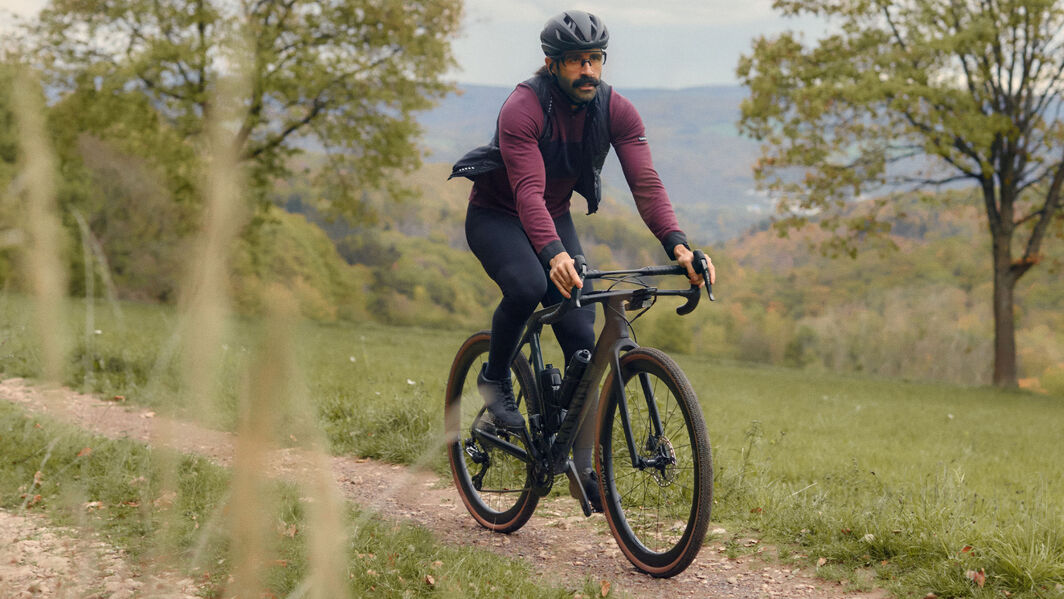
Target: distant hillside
x=922, y=310
x=703, y=161
x=919, y=311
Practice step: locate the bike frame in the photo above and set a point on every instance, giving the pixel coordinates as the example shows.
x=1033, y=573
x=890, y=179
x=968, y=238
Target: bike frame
x=550, y=454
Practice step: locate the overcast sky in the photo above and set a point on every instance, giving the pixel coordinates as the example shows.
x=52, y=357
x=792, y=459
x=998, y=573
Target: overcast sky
x=653, y=43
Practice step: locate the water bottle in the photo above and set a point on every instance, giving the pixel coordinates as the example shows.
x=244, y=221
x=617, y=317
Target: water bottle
x=573, y=374
x=550, y=380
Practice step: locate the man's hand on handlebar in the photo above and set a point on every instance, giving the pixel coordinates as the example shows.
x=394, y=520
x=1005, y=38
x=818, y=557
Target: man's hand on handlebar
x=563, y=274
x=685, y=258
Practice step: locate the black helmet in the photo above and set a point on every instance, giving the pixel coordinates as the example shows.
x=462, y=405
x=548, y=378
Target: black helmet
x=573, y=30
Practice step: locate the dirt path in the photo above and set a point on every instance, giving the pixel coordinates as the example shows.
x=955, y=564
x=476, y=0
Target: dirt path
x=558, y=538
x=40, y=560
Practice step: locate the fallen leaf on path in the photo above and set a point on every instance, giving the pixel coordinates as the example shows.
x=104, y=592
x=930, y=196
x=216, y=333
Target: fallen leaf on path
x=429, y=580
x=605, y=588
x=84, y=452
x=821, y=561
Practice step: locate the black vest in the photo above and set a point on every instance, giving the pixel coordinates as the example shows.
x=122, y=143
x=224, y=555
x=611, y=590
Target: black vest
x=583, y=160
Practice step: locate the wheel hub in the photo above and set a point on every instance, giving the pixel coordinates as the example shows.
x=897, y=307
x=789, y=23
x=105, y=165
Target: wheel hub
x=661, y=460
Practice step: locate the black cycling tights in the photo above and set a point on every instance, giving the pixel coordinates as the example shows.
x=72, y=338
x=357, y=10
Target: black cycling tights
x=500, y=243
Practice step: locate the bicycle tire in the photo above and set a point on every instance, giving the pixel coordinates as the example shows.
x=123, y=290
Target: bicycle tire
x=503, y=501
x=658, y=516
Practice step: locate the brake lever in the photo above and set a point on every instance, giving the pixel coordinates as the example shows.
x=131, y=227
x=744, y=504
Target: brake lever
x=568, y=305
x=580, y=263
x=701, y=264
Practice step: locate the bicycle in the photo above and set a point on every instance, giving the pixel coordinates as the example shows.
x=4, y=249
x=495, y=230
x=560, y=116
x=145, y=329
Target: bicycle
x=652, y=452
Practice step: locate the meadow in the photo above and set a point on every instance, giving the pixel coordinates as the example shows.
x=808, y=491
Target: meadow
x=917, y=487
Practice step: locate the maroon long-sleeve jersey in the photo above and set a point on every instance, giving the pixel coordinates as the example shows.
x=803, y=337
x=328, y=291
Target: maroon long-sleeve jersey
x=522, y=188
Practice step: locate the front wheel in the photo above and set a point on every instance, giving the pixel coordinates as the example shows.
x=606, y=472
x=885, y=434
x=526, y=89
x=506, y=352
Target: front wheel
x=495, y=486
x=657, y=501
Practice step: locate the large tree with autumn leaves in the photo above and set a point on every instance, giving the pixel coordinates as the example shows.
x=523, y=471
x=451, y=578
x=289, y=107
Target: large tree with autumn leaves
x=971, y=90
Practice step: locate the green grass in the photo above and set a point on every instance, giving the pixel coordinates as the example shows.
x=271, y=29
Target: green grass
x=883, y=478
x=42, y=471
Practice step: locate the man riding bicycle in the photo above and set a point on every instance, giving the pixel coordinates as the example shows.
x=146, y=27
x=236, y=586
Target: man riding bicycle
x=552, y=136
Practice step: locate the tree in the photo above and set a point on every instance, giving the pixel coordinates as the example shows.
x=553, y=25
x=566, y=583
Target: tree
x=969, y=89
x=345, y=74
x=10, y=233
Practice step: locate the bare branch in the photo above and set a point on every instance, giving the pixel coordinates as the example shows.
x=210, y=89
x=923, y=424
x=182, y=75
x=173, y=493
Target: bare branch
x=890, y=21
x=924, y=181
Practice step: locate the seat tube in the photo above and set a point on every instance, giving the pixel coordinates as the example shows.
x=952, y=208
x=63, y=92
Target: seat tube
x=536, y=353
x=536, y=357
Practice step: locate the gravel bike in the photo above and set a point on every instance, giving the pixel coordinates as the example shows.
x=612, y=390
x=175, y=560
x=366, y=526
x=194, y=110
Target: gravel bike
x=652, y=452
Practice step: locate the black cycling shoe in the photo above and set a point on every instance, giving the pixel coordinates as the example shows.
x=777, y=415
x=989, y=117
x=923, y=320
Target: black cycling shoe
x=499, y=399
x=589, y=480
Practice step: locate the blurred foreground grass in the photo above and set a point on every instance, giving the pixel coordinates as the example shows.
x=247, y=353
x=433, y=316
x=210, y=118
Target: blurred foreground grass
x=925, y=487
x=118, y=489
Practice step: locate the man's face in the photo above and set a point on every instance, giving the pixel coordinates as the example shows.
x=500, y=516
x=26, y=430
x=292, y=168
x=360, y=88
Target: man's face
x=579, y=74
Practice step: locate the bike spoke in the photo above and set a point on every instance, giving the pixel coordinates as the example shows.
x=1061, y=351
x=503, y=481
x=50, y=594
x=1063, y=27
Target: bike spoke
x=494, y=484
x=656, y=500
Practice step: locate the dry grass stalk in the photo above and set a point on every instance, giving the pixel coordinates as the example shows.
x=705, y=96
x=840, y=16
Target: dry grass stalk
x=326, y=526
x=45, y=240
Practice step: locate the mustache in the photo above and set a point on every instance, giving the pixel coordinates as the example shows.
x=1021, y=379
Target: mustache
x=585, y=80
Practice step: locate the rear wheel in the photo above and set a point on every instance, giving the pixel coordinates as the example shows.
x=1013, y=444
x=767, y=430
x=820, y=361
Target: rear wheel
x=495, y=486
x=658, y=509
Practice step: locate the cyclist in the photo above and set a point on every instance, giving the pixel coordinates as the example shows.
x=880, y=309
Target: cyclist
x=552, y=136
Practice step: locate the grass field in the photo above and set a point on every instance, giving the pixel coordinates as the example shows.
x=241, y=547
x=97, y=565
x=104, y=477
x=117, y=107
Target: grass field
x=181, y=523
x=919, y=486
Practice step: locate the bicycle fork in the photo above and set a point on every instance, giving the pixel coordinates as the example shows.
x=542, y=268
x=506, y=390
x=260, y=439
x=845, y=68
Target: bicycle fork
x=656, y=432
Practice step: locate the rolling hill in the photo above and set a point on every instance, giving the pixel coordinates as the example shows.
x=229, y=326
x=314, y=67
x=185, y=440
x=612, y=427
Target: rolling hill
x=697, y=149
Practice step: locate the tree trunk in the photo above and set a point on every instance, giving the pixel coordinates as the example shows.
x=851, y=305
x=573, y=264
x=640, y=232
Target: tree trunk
x=1004, y=317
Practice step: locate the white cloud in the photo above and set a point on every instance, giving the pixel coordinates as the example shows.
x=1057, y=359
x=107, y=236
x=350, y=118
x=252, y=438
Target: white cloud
x=22, y=8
